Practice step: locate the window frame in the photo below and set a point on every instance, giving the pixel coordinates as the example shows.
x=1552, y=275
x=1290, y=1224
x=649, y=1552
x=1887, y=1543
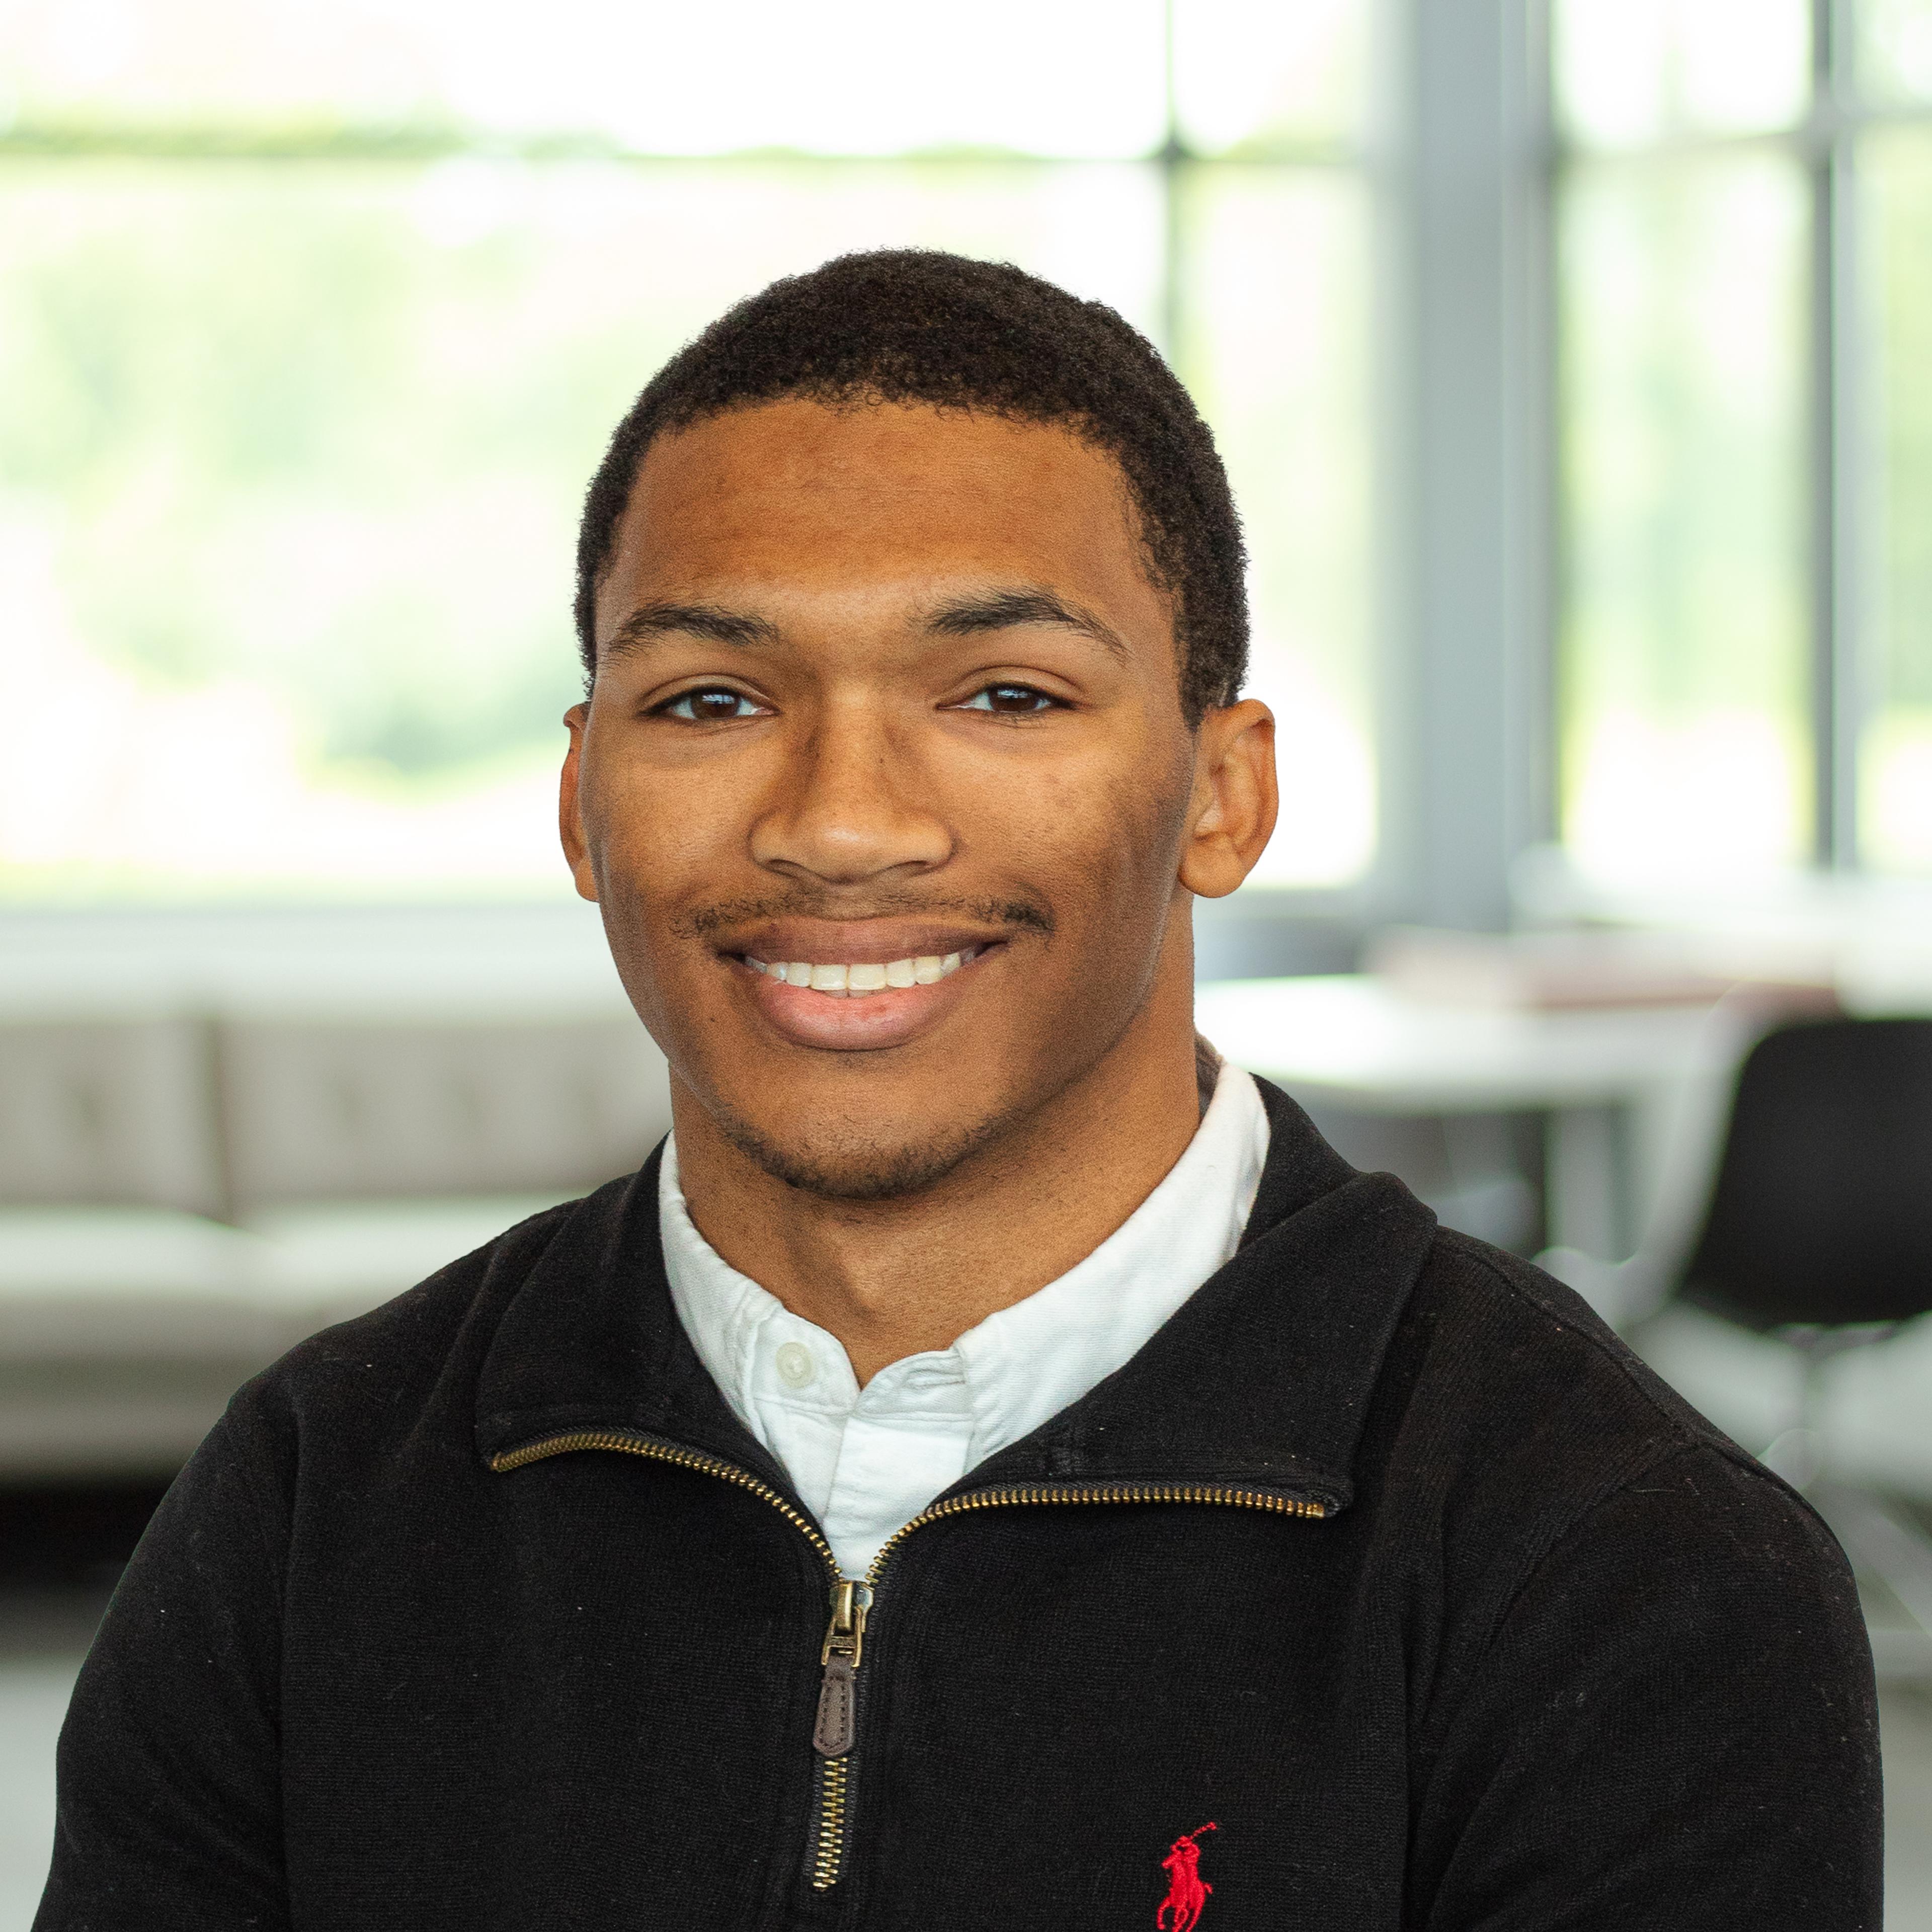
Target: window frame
x=1841, y=684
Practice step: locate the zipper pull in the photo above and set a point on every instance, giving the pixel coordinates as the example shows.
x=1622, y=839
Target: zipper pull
x=845, y=1644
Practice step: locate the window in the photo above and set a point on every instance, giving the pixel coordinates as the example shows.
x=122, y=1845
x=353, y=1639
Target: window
x=1745, y=243
x=313, y=319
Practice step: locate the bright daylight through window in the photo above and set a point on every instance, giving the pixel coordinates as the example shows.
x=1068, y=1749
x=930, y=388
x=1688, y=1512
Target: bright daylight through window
x=313, y=320
x=1745, y=370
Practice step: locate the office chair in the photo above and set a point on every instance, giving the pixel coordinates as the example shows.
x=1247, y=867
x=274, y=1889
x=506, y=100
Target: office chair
x=1817, y=1230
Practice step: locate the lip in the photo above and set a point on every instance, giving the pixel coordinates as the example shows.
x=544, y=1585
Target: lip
x=858, y=942
x=890, y=1017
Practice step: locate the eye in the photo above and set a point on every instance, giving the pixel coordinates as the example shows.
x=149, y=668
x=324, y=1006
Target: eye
x=711, y=704
x=1011, y=701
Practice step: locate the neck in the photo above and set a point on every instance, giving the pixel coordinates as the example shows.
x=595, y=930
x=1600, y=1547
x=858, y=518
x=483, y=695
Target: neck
x=894, y=1277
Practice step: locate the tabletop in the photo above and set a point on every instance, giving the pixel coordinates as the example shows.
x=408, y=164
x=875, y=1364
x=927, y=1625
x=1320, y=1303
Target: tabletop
x=1352, y=1040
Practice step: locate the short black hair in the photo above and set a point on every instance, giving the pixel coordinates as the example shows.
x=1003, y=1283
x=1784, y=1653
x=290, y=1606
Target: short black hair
x=919, y=325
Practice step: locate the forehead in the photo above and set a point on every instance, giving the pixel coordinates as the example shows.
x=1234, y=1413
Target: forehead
x=803, y=496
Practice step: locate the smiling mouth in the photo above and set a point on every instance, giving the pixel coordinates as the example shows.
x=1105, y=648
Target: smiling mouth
x=856, y=980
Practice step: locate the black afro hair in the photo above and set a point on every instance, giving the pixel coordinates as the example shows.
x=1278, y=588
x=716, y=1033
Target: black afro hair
x=918, y=326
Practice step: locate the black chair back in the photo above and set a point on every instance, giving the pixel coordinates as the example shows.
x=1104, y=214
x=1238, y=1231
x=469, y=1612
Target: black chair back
x=1821, y=1212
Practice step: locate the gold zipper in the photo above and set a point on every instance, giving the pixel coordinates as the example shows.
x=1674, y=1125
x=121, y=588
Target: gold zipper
x=1022, y=1493
x=828, y=1850
x=840, y=1654
x=625, y=1444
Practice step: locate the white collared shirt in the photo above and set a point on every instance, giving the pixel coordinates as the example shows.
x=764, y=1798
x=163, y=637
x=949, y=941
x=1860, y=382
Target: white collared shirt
x=866, y=1461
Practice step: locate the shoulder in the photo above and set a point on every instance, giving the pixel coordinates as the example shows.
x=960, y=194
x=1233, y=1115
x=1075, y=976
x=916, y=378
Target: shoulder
x=1613, y=1616
x=1526, y=1440
x=347, y=1391
x=1486, y=1332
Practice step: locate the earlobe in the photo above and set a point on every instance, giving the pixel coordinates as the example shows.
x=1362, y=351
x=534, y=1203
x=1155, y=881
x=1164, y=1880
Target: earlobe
x=1235, y=798
x=569, y=806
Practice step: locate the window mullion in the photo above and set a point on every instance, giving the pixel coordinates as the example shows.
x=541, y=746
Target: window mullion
x=1838, y=697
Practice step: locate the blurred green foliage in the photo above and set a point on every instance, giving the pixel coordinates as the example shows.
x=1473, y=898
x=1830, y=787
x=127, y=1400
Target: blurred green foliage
x=321, y=427
x=1682, y=401
x=1683, y=664
x=253, y=397
x=1896, y=170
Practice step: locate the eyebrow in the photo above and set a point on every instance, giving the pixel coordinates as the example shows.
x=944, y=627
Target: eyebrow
x=1007, y=609
x=649, y=622
x=959, y=617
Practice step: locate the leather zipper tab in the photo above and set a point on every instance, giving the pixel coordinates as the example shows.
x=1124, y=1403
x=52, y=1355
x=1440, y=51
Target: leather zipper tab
x=837, y=1707
x=845, y=1644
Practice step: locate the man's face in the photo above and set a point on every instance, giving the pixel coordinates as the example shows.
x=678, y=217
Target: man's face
x=886, y=703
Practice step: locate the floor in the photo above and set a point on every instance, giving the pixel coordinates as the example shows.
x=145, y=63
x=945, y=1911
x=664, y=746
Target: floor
x=1906, y=1716
x=43, y=1634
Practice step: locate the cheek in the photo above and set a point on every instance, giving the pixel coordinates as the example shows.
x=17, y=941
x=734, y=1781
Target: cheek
x=654, y=829
x=1101, y=842
x=660, y=841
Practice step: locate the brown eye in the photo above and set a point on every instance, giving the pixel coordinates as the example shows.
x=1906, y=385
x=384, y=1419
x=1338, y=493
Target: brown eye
x=711, y=705
x=1010, y=700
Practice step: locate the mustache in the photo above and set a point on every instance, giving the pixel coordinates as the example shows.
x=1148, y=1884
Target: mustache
x=707, y=921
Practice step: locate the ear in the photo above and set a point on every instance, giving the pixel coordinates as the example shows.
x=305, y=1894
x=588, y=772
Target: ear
x=1232, y=812
x=570, y=805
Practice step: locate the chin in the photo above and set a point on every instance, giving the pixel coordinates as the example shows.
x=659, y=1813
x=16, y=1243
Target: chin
x=844, y=1162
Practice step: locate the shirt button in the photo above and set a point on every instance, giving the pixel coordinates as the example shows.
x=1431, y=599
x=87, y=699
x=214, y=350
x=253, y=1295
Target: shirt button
x=797, y=1369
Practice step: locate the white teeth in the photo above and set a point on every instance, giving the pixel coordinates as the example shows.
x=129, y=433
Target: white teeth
x=868, y=976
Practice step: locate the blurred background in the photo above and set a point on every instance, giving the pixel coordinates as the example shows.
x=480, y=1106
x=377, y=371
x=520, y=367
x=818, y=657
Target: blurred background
x=1572, y=361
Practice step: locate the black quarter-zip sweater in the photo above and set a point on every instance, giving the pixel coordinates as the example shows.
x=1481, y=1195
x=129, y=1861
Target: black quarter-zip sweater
x=1383, y=1588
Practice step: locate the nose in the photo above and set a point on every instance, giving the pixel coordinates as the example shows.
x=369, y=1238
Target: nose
x=848, y=807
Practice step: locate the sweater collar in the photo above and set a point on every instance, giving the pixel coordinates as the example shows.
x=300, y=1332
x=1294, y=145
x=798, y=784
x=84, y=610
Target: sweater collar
x=1262, y=1377
x=1023, y=1364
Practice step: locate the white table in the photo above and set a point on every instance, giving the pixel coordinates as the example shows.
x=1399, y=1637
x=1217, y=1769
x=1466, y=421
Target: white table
x=1607, y=1080
x=1350, y=1040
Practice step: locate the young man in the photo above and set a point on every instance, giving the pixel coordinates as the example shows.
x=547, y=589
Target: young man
x=995, y=1467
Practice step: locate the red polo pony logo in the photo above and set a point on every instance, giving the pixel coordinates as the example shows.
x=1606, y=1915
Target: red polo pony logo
x=1187, y=1890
